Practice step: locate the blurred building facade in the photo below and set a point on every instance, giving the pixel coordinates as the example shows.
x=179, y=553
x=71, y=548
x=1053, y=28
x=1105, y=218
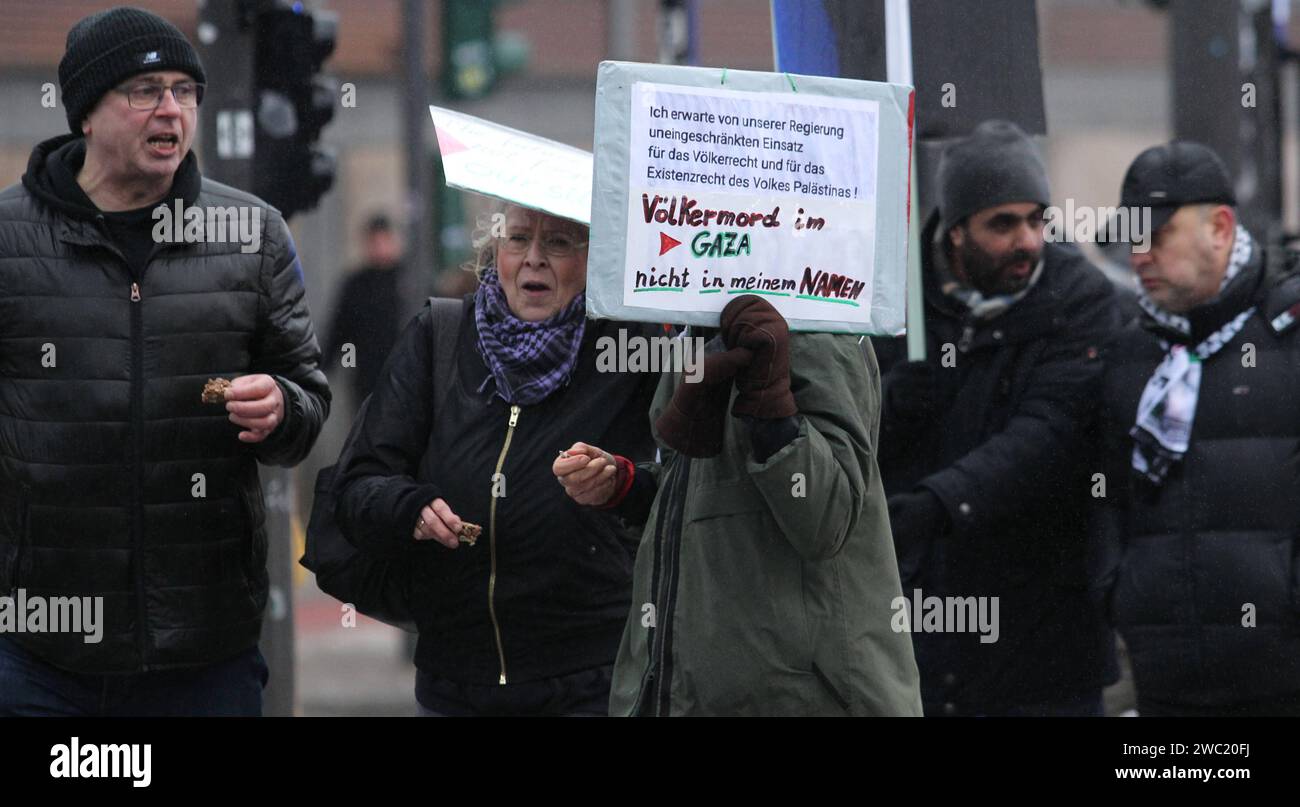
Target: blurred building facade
x=1104, y=65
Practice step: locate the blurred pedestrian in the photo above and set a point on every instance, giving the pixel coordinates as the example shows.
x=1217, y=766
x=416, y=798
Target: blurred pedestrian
x=366, y=317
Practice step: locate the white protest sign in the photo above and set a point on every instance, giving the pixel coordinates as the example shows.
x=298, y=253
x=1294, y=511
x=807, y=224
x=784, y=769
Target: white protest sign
x=764, y=193
x=505, y=163
x=798, y=196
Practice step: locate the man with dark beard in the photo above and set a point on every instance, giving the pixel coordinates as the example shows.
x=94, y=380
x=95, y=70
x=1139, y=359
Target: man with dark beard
x=983, y=445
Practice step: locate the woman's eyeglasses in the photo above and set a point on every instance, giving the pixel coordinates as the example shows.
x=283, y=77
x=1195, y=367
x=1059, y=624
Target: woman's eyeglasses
x=554, y=245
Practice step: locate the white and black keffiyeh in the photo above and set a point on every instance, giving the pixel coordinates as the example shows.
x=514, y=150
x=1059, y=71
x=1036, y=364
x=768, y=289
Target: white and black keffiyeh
x=1167, y=409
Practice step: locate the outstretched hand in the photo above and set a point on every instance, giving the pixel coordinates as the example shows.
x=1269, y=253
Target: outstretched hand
x=589, y=474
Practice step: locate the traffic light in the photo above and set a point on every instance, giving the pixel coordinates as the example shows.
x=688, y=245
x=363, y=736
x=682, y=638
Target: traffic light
x=474, y=53
x=469, y=62
x=293, y=103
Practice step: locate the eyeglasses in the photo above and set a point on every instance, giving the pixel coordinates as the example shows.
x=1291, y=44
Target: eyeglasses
x=554, y=245
x=147, y=95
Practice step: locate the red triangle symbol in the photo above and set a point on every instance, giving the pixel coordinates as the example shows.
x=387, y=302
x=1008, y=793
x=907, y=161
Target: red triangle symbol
x=667, y=242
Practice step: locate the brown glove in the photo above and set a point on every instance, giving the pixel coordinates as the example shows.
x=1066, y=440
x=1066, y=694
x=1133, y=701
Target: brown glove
x=694, y=420
x=763, y=385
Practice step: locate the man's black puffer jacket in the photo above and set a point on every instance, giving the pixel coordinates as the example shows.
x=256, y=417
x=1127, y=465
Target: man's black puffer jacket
x=103, y=436
x=1202, y=574
x=560, y=588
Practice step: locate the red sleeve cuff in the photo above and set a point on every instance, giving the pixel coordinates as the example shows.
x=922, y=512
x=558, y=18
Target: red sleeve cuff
x=626, y=473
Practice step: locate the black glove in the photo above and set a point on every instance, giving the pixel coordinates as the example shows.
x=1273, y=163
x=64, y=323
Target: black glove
x=917, y=520
x=913, y=393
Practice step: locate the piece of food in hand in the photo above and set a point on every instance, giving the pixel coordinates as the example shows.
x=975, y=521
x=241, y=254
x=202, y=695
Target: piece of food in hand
x=215, y=390
x=469, y=533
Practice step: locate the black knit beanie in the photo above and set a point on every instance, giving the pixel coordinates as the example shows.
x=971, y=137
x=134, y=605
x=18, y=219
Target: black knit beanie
x=996, y=164
x=110, y=46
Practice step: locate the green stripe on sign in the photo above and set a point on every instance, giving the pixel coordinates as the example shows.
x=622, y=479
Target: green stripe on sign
x=710, y=291
x=827, y=300
x=656, y=288
x=756, y=291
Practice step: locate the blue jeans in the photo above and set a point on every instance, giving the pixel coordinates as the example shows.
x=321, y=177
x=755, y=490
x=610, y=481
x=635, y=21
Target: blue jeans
x=30, y=687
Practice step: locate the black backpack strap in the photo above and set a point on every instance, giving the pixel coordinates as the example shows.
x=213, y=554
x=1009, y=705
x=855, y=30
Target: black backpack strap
x=378, y=585
x=447, y=315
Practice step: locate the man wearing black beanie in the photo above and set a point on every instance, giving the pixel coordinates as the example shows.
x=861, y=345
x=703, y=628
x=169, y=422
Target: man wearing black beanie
x=982, y=444
x=129, y=281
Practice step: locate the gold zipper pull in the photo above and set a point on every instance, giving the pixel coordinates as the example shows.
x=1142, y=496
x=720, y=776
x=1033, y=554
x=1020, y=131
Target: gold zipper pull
x=135, y=292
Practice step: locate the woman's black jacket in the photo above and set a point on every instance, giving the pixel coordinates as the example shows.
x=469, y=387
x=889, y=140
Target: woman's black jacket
x=545, y=591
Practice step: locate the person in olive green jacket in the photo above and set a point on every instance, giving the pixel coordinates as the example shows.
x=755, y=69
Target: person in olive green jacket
x=765, y=580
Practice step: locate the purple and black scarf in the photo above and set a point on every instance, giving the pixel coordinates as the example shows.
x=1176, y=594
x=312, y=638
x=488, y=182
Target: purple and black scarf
x=527, y=360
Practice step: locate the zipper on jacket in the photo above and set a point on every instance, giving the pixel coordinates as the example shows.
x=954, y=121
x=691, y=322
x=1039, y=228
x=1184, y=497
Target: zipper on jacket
x=492, y=543
x=137, y=445
x=668, y=537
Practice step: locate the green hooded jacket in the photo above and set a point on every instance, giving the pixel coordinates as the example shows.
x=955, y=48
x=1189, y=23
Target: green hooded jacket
x=769, y=589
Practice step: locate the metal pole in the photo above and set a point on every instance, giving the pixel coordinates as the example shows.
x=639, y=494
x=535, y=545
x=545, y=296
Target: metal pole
x=226, y=45
x=898, y=69
x=1289, y=81
x=1206, y=81
x=421, y=258
x=620, y=30
x=678, y=23
x=1220, y=50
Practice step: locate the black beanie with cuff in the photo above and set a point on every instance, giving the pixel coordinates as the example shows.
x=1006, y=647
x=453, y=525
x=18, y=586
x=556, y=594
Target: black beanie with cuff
x=108, y=47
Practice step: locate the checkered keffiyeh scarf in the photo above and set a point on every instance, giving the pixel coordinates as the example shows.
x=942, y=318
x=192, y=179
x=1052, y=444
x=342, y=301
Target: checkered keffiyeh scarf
x=527, y=360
